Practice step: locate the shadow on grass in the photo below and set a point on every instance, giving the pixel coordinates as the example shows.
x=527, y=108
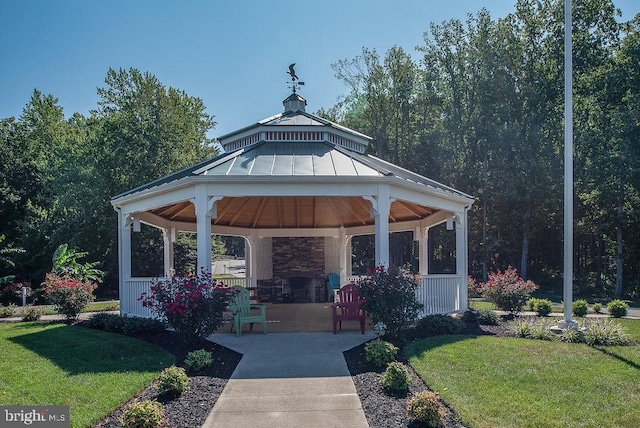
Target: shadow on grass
x=79, y=350
x=618, y=357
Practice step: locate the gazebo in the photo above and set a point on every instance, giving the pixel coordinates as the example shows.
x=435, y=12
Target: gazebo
x=297, y=188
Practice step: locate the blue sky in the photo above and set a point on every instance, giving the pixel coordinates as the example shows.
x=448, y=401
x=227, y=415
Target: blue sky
x=232, y=54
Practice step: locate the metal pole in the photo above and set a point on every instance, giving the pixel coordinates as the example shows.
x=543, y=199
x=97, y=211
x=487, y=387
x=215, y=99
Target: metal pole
x=568, y=168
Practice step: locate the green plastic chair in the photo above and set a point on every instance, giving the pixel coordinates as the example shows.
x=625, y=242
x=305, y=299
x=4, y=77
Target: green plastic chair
x=333, y=283
x=241, y=309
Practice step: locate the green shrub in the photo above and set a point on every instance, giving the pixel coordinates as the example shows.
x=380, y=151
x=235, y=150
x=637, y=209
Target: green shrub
x=488, y=317
x=7, y=311
x=617, y=308
x=541, y=306
x=470, y=316
x=112, y=307
x=473, y=288
x=396, y=377
x=571, y=335
x=531, y=328
x=197, y=360
x=173, y=381
x=123, y=324
x=390, y=296
x=380, y=352
x=424, y=407
x=507, y=290
x=69, y=295
x=144, y=414
x=32, y=313
x=597, y=307
x=580, y=308
x=439, y=324
x=605, y=332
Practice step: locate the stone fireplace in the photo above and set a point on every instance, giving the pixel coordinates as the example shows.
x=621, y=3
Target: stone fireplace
x=298, y=267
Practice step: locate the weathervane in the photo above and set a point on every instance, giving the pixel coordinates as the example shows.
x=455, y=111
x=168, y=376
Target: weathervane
x=295, y=81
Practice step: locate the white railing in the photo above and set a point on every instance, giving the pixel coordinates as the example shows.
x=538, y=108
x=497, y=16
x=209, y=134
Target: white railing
x=129, y=303
x=441, y=294
x=134, y=287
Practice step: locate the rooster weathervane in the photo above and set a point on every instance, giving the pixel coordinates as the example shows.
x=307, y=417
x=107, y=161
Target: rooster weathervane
x=295, y=80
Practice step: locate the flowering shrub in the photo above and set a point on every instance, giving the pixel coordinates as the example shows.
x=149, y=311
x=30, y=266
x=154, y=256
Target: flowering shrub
x=192, y=304
x=473, y=288
x=507, y=290
x=390, y=297
x=69, y=296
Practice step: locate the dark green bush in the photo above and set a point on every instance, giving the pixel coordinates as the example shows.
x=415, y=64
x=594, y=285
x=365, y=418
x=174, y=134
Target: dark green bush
x=617, y=308
x=488, y=317
x=396, y=377
x=380, y=352
x=541, y=306
x=173, y=381
x=425, y=408
x=439, y=324
x=123, y=324
x=197, y=360
x=144, y=414
x=580, y=308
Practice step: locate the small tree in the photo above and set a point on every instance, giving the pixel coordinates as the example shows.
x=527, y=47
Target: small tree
x=507, y=290
x=65, y=263
x=192, y=304
x=390, y=297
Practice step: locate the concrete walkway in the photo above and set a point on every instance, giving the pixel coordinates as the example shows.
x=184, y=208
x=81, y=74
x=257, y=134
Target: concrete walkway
x=289, y=380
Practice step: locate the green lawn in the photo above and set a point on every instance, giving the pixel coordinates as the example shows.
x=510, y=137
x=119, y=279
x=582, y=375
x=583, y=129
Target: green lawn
x=510, y=382
x=90, y=370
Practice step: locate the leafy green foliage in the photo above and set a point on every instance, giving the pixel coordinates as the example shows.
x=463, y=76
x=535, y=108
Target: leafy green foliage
x=198, y=360
x=390, y=297
x=532, y=328
x=541, y=306
x=7, y=311
x=380, y=352
x=424, y=406
x=487, y=317
x=617, y=308
x=65, y=263
x=507, y=290
x=605, y=332
x=597, y=307
x=124, y=324
x=439, y=324
x=173, y=381
x=144, y=414
x=580, y=307
x=31, y=313
x=396, y=378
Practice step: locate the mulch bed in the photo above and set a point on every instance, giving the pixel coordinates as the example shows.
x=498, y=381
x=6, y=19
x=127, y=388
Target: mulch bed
x=383, y=410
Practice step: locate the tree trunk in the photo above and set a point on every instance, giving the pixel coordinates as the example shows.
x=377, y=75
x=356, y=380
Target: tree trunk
x=525, y=243
x=618, y=290
x=485, y=252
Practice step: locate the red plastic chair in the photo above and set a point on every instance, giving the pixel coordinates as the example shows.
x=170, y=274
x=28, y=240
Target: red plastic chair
x=349, y=308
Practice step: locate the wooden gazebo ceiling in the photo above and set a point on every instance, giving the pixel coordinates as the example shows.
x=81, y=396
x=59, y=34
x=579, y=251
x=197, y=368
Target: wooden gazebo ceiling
x=293, y=212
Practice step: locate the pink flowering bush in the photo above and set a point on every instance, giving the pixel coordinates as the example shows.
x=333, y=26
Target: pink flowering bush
x=507, y=290
x=473, y=288
x=390, y=297
x=193, y=305
x=69, y=295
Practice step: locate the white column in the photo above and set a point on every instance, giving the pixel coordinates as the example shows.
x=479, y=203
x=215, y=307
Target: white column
x=203, y=229
x=421, y=235
x=342, y=243
x=381, y=216
x=169, y=238
x=124, y=259
x=461, y=258
x=252, y=240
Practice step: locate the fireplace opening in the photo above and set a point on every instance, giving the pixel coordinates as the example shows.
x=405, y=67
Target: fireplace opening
x=301, y=289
